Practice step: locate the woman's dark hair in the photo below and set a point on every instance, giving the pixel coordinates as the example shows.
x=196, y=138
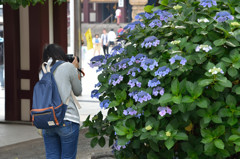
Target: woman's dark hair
x=55, y=52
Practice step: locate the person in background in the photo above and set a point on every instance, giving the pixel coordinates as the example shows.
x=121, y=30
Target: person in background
x=1, y=64
x=105, y=40
x=118, y=15
x=119, y=30
x=97, y=44
x=112, y=38
x=61, y=142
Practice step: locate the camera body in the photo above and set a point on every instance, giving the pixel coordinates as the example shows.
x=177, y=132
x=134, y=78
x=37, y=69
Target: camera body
x=71, y=57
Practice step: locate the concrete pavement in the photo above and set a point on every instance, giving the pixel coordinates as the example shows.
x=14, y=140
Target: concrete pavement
x=19, y=141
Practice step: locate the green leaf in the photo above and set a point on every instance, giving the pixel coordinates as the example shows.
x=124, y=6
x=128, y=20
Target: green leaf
x=219, y=42
x=169, y=143
x=175, y=86
x=216, y=119
x=121, y=95
x=219, y=144
x=233, y=137
x=120, y=130
x=187, y=99
x=227, y=60
x=190, y=87
x=152, y=155
x=144, y=136
x=113, y=104
x=205, y=82
x=237, y=9
x=94, y=142
x=154, y=146
x=231, y=100
x=122, y=140
x=202, y=103
x=148, y=8
x=165, y=98
x=181, y=136
x=177, y=99
x=113, y=117
x=237, y=90
x=101, y=141
x=164, y=2
x=232, y=72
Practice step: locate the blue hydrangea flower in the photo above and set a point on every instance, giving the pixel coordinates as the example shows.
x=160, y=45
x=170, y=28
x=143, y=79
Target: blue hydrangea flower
x=150, y=41
x=117, y=147
x=153, y=83
x=208, y=3
x=131, y=94
x=162, y=71
x=164, y=15
x=133, y=71
x=98, y=84
x=149, y=63
x=97, y=61
x=104, y=104
x=134, y=82
x=95, y=93
x=223, y=16
x=138, y=58
x=179, y=58
x=155, y=22
x=117, y=49
x=149, y=15
x=164, y=110
x=158, y=90
x=115, y=79
x=123, y=64
x=129, y=111
x=139, y=16
x=132, y=25
x=142, y=96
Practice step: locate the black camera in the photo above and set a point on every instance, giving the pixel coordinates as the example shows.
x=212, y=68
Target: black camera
x=70, y=58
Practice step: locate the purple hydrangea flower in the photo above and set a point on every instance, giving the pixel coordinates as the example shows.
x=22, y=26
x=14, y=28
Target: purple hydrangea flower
x=97, y=61
x=139, y=16
x=95, y=93
x=153, y=83
x=117, y=147
x=123, y=64
x=138, y=58
x=104, y=104
x=132, y=25
x=134, y=82
x=149, y=15
x=164, y=15
x=141, y=96
x=117, y=49
x=149, y=63
x=164, y=110
x=208, y=3
x=133, y=71
x=131, y=94
x=150, y=41
x=98, y=84
x=162, y=71
x=158, y=90
x=155, y=22
x=129, y=111
x=223, y=16
x=115, y=79
x=179, y=58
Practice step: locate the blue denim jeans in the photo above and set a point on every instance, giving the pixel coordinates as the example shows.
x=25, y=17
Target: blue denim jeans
x=61, y=142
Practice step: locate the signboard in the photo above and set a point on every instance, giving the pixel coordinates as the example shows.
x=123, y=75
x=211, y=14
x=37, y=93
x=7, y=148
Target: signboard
x=120, y=3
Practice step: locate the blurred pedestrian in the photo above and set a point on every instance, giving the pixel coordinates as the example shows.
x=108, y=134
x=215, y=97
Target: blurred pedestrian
x=105, y=40
x=61, y=141
x=119, y=30
x=118, y=15
x=112, y=37
x=2, y=64
x=97, y=44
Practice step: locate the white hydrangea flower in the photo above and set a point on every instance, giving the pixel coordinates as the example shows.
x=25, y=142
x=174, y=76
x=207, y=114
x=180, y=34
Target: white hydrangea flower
x=203, y=20
x=205, y=48
x=216, y=70
x=175, y=42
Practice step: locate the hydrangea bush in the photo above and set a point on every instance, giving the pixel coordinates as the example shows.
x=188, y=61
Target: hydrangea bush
x=171, y=86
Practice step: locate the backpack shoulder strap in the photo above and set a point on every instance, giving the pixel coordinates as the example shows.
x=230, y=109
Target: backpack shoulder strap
x=56, y=65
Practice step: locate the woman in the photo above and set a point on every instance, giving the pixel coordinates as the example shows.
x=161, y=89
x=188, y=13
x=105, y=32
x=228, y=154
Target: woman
x=97, y=44
x=61, y=142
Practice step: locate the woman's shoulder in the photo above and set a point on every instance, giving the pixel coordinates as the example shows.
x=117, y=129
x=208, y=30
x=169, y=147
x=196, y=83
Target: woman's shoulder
x=67, y=66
